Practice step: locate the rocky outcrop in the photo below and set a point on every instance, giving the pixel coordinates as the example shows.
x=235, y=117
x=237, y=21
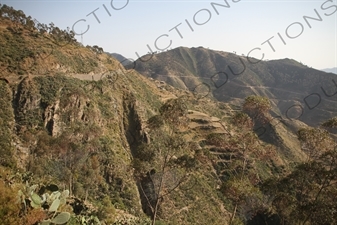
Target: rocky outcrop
x=134, y=122
x=52, y=119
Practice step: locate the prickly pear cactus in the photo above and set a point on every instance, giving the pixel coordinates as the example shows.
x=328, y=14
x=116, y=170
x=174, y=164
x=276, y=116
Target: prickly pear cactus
x=52, y=202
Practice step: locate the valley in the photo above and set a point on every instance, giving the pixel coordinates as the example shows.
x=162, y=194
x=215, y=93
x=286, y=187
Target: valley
x=191, y=136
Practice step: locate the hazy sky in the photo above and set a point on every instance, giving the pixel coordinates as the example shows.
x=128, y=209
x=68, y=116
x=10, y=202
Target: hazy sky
x=277, y=29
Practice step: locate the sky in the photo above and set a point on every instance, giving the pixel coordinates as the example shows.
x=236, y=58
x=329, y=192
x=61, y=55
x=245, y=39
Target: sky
x=304, y=30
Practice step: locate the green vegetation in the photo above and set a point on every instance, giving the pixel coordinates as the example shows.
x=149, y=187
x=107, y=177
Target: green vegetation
x=6, y=126
x=162, y=165
x=285, y=82
x=257, y=108
x=308, y=194
x=9, y=209
x=120, y=150
x=29, y=47
x=331, y=123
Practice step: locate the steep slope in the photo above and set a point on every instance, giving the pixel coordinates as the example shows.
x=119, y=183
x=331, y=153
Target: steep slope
x=83, y=135
x=72, y=119
x=83, y=140
x=297, y=92
x=38, y=49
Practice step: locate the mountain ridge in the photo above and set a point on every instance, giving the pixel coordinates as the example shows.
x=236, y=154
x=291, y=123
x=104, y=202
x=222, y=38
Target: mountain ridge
x=124, y=61
x=83, y=140
x=330, y=70
x=222, y=74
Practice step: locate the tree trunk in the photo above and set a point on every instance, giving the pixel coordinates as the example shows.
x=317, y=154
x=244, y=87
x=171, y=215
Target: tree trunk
x=71, y=184
x=86, y=195
x=159, y=191
x=158, y=199
x=233, y=214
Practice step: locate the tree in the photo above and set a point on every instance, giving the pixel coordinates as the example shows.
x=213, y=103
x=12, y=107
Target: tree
x=239, y=178
x=308, y=194
x=241, y=119
x=97, y=49
x=30, y=23
x=90, y=171
x=241, y=181
x=331, y=123
x=51, y=28
x=163, y=164
x=257, y=107
x=314, y=142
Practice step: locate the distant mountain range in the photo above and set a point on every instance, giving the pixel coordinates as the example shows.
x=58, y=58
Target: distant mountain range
x=120, y=58
x=330, y=70
x=109, y=146
x=307, y=93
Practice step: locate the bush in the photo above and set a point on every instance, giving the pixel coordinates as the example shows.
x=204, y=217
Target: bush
x=6, y=119
x=9, y=209
x=216, y=139
x=257, y=107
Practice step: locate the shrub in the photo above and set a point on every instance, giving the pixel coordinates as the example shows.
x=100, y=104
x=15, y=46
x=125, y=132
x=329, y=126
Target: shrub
x=9, y=209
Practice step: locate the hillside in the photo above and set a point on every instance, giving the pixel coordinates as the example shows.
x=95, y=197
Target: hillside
x=330, y=70
x=39, y=49
x=296, y=91
x=84, y=141
x=124, y=61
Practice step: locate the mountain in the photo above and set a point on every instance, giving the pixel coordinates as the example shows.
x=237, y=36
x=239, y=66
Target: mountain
x=331, y=70
x=85, y=141
x=295, y=90
x=74, y=122
x=124, y=61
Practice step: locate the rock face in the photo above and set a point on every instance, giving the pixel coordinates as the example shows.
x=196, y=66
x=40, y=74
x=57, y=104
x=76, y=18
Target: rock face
x=57, y=117
x=87, y=136
x=134, y=148
x=52, y=119
x=134, y=123
x=84, y=135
